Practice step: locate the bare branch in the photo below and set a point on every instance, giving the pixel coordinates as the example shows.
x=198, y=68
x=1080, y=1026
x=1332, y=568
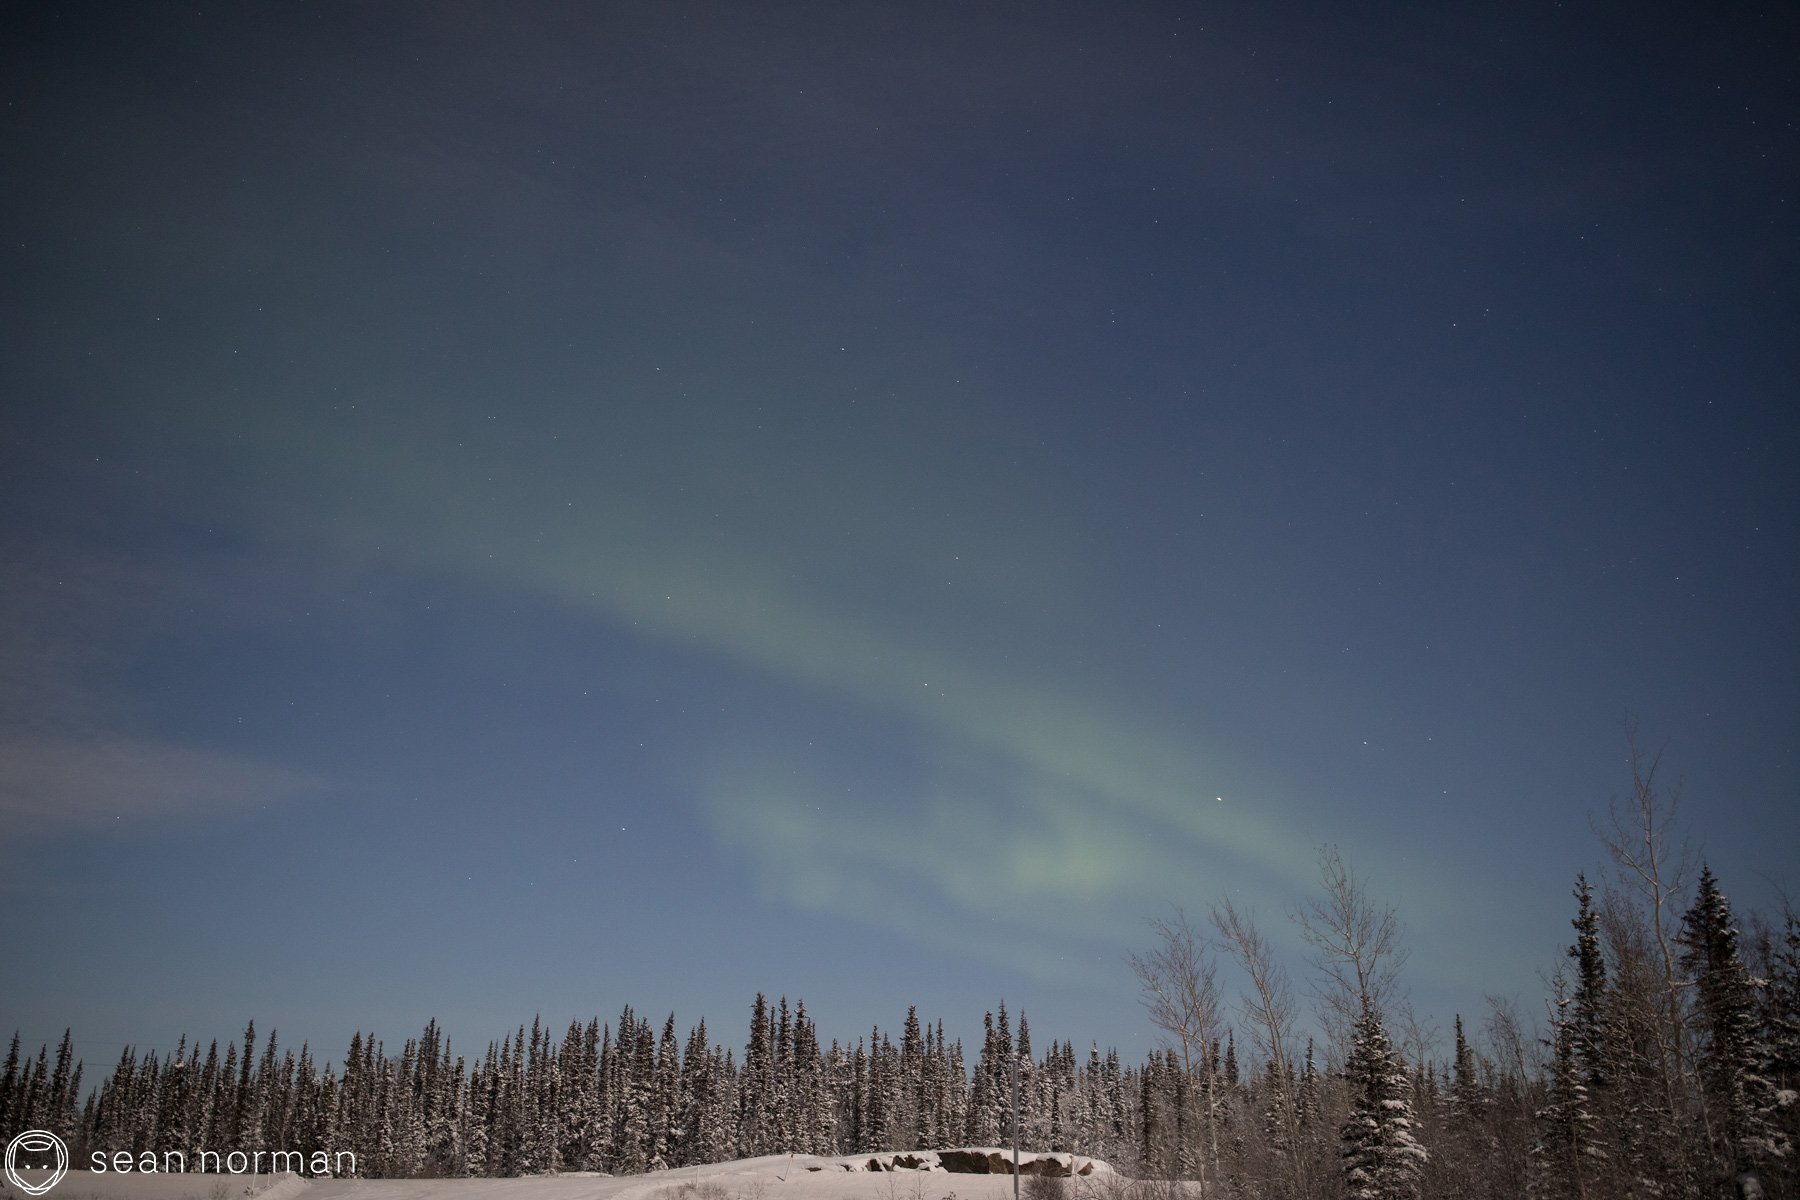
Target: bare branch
x=1177, y=978
x=1182, y=998
x=1269, y=1007
x=1356, y=943
x=1652, y=864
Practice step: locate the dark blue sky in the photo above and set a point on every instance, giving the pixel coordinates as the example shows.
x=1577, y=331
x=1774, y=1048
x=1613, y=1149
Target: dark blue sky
x=517, y=508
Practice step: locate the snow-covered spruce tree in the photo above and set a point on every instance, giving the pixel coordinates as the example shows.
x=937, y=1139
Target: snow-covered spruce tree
x=1588, y=1015
x=1460, y=1140
x=206, y=1097
x=173, y=1130
x=1021, y=1061
x=856, y=1111
x=405, y=1155
x=1468, y=1099
x=62, y=1116
x=756, y=1092
x=616, y=1051
x=697, y=1096
x=541, y=1149
x=1783, y=1005
x=1566, y=1157
x=664, y=1102
x=1652, y=1124
x=9, y=1091
x=634, y=1138
x=1783, y=1024
x=244, y=1118
x=983, y=1128
x=1586, y=1019
x=721, y=1124
x=1516, y=1093
x=878, y=1096
x=1094, y=1121
x=475, y=1118
x=434, y=1103
x=1735, y=1061
x=781, y=1112
x=953, y=1105
x=815, y=1116
x=933, y=1091
x=578, y=1119
x=1382, y=1159
x=345, y=1119
x=909, y=1119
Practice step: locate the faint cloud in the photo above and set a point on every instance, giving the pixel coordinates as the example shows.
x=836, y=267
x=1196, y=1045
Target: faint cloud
x=73, y=751
x=52, y=785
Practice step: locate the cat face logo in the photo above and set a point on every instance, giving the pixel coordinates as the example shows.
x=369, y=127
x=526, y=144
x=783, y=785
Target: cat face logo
x=36, y=1150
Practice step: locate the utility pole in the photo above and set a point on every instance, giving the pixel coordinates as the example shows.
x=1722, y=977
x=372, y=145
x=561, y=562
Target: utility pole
x=1015, y=1107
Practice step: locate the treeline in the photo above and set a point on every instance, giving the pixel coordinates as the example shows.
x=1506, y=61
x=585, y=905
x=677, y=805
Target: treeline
x=1670, y=1067
x=1667, y=1065
x=620, y=1099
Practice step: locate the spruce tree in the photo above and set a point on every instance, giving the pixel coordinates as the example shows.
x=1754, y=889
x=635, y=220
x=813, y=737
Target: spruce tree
x=173, y=1130
x=59, y=1112
x=815, y=1113
x=475, y=1121
x=244, y=1115
x=1734, y=1059
x=756, y=1095
x=1783, y=1024
x=910, y=1120
x=610, y=1102
x=883, y=1097
x=9, y=1089
x=665, y=1101
x=1588, y=1016
x=634, y=1145
x=1783, y=1007
x=1382, y=1158
x=956, y=1103
x=1567, y=1154
x=696, y=1097
x=984, y=1104
x=1468, y=1103
x=206, y=1100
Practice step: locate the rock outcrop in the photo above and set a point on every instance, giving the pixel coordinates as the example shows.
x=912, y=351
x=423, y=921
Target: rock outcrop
x=972, y=1160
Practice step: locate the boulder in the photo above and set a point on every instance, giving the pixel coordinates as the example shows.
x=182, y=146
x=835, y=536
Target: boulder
x=999, y=1162
x=965, y=1162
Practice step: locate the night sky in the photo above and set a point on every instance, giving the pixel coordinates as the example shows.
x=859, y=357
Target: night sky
x=533, y=508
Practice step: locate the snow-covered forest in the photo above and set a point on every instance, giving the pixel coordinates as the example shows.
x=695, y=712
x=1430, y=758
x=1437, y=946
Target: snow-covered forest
x=1666, y=1063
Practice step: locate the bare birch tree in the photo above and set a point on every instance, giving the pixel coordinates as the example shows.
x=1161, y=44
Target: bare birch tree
x=1659, y=1107
x=1177, y=978
x=1355, y=945
x=1268, y=1008
x=1642, y=838
x=1268, y=1012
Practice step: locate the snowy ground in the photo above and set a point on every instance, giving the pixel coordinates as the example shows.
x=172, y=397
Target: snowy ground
x=83, y=1185
x=785, y=1177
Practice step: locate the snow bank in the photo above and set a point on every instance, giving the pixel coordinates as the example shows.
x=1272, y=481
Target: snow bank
x=981, y=1173
x=175, y=1185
